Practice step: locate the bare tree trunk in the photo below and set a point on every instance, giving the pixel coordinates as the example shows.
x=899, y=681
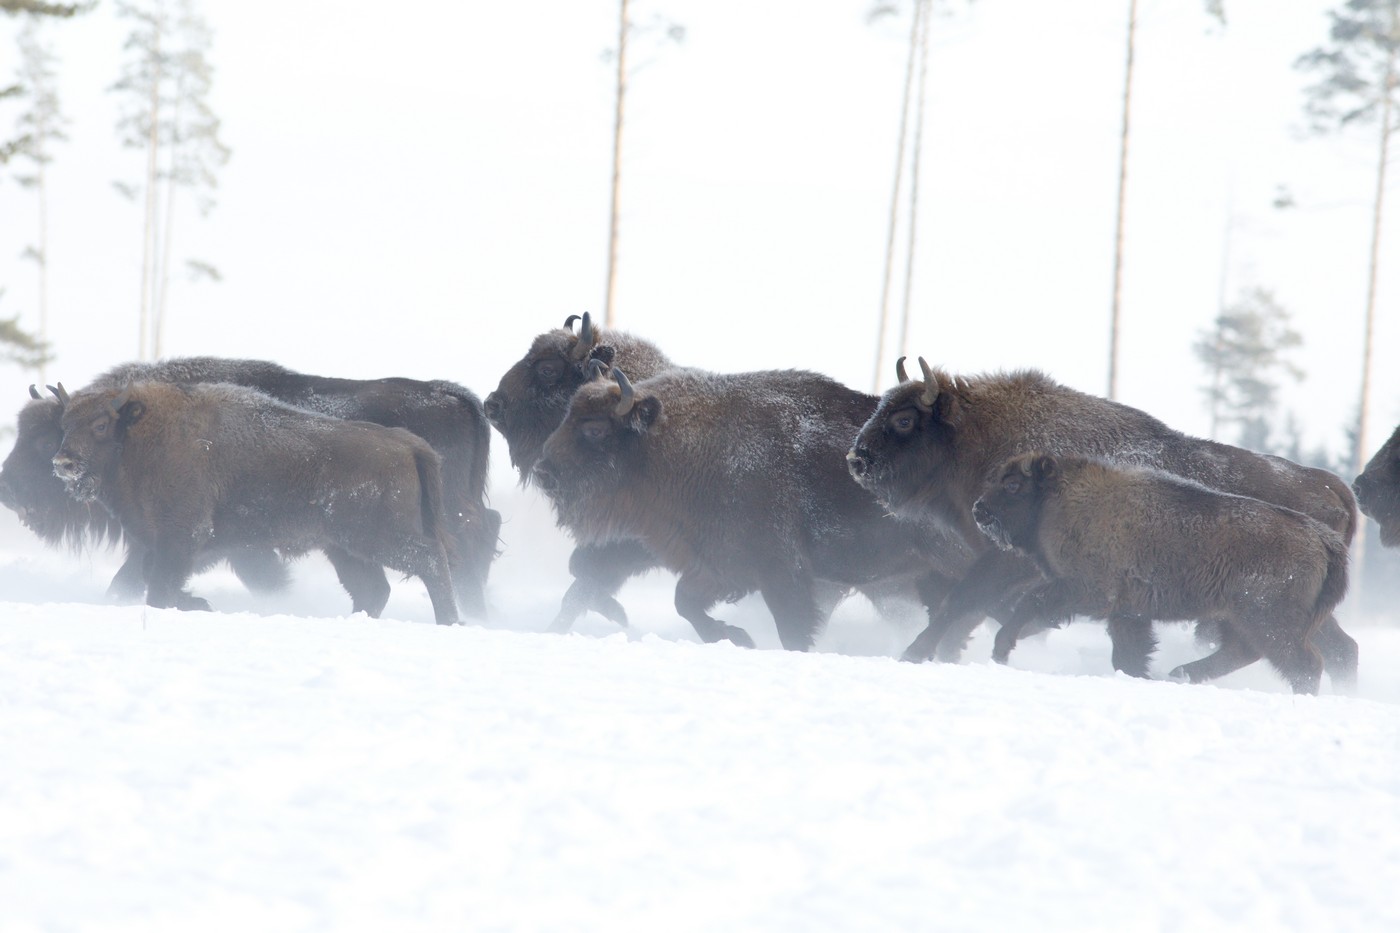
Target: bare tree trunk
x=148, y=250
x=39, y=183
x=609, y=314
x=167, y=231
x=1358, y=551
x=1122, y=200
x=894, y=199
x=915, y=159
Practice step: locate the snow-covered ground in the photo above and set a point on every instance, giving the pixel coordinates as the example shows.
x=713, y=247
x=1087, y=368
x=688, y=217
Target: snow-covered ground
x=278, y=766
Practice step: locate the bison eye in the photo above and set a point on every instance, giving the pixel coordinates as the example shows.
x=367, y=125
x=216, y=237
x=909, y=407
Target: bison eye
x=904, y=422
x=100, y=428
x=1012, y=484
x=594, y=431
x=549, y=371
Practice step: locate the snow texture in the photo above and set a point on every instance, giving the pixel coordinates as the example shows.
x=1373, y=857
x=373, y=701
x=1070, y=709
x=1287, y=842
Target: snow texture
x=276, y=767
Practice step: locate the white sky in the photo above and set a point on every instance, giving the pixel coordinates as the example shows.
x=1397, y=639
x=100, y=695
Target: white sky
x=419, y=194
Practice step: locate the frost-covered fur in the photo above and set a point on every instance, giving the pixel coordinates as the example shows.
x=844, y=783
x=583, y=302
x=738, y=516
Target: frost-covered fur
x=1138, y=544
x=737, y=483
x=181, y=466
x=929, y=459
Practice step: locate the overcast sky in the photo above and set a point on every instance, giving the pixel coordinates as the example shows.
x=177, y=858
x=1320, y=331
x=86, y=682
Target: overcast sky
x=420, y=193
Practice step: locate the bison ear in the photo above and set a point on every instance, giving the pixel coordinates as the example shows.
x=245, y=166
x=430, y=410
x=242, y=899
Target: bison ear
x=1044, y=467
x=949, y=409
x=644, y=414
x=130, y=413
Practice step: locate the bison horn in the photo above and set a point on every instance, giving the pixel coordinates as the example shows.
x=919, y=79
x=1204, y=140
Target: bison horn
x=899, y=369
x=930, y=385
x=585, y=338
x=628, y=399
x=596, y=368
x=116, y=404
x=569, y=322
x=34, y=391
x=60, y=393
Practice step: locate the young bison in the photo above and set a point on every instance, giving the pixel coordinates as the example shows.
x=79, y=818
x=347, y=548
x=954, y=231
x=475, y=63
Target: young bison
x=1141, y=544
x=182, y=466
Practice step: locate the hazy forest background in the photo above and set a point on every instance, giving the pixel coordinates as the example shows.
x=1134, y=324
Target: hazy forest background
x=1179, y=203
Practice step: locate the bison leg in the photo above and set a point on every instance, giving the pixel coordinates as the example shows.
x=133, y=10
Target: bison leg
x=260, y=569
x=475, y=536
x=1133, y=642
x=1047, y=606
x=168, y=566
x=1340, y=654
x=1234, y=653
x=364, y=580
x=795, y=611
x=426, y=559
x=692, y=602
x=130, y=579
x=991, y=577
x=599, y=571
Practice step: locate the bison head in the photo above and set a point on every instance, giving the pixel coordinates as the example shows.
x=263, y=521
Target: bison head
x=1378, y=490
x=94, y=424
x=1008, y=511
x=534, y=394
x=595, y=451
x=28, y=484
x=904, y=448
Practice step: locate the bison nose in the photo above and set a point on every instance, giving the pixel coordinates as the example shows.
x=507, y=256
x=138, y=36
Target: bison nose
x=1358, y=486
x=858, y=460
x=980, y=513
x=64, y=465
x=544, y=476
x=494, y=406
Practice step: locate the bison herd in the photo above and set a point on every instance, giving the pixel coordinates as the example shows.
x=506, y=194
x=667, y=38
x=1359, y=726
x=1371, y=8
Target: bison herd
x=1006, y=495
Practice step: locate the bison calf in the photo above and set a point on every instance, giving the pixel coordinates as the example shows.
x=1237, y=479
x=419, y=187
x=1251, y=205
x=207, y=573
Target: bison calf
x=1143, y=545
x=184, y=466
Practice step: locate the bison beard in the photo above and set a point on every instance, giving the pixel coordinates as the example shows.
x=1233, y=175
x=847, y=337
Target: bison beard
x=933, y=444
x=1138, y=545
x=184, y=465
x=1378, y=490
x=530, y=402
x=446, y=415
x=736, y=484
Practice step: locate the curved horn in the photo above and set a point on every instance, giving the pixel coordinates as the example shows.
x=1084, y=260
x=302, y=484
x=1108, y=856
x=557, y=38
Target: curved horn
x=930, y=385
x=628, y=399
x=596, y=368
x=586, y=336
x=899, y=369
x=569, y=322
x=34, y=391
x=60, y=393
x=116, y=404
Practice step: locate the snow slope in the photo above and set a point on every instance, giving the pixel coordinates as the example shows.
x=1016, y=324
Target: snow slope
x=275, y=767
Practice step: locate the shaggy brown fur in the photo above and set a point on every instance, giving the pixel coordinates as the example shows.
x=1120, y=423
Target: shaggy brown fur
x=446, y=415
x=184, y=465
x=530, y=403
x=933, y=444
x=736, y=483
x=1378, y=490
x=1140, y=544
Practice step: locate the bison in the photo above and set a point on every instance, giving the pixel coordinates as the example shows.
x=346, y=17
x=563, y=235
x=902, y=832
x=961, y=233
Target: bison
x=1378, y=490
x=737, y=484
x=184, y=465
x=530, y=402
x=932, y=445
x=446, y=415
x=1141, y=544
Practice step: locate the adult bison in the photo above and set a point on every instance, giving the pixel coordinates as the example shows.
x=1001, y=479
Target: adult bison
x=182, y=465
x=530, y=402
x=446, y=415
x=736, y=483
x=1139, y=544
x=932, y=445
x=1378, y=490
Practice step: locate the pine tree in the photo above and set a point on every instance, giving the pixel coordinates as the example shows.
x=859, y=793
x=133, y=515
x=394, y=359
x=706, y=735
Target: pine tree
x=167, y=79
x=1246, y=356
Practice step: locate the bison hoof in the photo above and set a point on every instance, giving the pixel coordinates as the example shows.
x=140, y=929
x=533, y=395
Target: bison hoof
x=1179, y=675
x=192, y=603
x=738, y=636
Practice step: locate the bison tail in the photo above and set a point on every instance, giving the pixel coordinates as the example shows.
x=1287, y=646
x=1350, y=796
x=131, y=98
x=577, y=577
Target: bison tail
x=1334, y=585
x=429, y=466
